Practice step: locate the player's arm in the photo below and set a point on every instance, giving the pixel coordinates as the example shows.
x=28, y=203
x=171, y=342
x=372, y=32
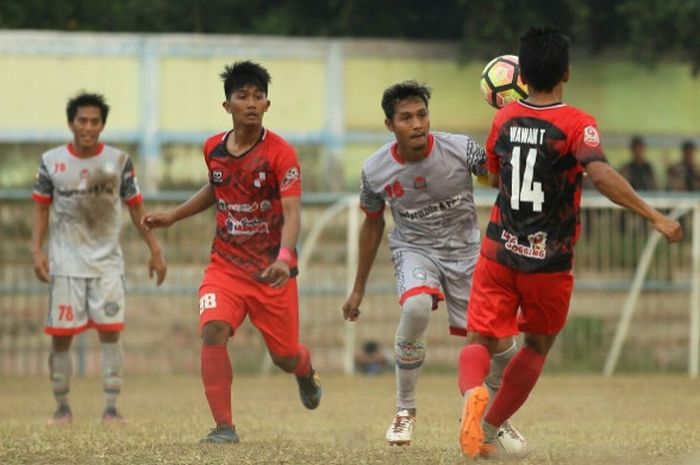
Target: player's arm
x=156, y=264
x=203, y=199
x=279, y=271
x=615, y=187
x=371, y=234
x=41, y=226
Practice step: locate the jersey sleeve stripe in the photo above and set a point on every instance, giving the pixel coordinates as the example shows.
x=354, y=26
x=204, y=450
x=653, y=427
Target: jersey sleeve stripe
x=373, y=214
x=39, y=198
x=135, y=200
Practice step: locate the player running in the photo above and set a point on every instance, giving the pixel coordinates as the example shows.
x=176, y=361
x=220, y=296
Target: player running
x=83, y=185
x=538, y=150
x=255, y=183
x=426, y=177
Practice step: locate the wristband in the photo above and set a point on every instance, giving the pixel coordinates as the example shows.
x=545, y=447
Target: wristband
x=285, y=255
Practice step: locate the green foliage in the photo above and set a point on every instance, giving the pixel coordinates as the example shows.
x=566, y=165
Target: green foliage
x=645, y=29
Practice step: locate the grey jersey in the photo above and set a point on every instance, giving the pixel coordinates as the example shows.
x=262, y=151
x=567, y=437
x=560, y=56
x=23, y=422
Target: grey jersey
x=86, y=197
x=431, y=200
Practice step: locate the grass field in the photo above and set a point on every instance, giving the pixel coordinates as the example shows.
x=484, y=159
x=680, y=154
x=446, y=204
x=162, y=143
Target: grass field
x=569, y=419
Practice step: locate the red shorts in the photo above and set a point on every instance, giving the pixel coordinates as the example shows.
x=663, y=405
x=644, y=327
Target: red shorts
x=499, y=291
x=228, y=296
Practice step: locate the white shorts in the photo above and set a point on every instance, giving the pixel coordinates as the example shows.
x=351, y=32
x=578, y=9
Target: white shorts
x=448, y=280
x=76, y=304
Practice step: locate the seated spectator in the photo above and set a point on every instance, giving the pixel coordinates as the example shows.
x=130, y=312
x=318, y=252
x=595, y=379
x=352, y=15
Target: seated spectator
x=372, y=360
x=638, y=171
x=684, y=175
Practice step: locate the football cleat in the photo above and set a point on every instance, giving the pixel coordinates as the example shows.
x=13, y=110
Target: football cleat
x=221, y=435
x=62, y=416
x=310, y=389
x=471, y=432
x=510, y=441
x=110, y=415
x=400, y=430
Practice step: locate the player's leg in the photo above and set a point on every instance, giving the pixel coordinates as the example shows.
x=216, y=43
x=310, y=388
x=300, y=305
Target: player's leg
x=61, y=371
x=491, y=315
x=457, y=276
x=418, y=287
x=66, y=317
x=544, y=306
x=220, y=314
x=106, y=310
x=275, y=312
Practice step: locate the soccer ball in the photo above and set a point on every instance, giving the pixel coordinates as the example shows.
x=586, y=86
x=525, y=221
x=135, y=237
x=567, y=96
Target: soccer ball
x=501, y=83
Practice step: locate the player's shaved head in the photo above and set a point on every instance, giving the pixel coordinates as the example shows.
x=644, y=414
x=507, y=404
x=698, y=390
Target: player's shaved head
x=543, y=57
x=244, y=73
x=402, y=91
x=85, y=99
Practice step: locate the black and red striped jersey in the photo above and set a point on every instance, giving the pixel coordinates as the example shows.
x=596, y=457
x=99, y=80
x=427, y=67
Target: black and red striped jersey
x=539, y=154
x=249, y=189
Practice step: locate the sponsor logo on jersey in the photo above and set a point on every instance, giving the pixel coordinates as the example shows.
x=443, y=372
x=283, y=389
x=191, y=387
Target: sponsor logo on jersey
x=419, y=182
x=265, y=205
x=442, y=205
x=536, y=249
x=246, y=226
x=237, y=207
x=538, y=241
x=290, y=177
x=217, y=176
x=591, y=136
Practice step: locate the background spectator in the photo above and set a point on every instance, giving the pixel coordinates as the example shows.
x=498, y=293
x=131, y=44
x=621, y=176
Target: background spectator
x=638, y=171
x=684, y=175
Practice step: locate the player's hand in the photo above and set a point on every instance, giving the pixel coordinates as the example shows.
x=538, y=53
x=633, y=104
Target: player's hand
x=351, y=308
x=671, y=229
x=156, y=220
x=41, y=266
x=157, y=265
x=276, y=274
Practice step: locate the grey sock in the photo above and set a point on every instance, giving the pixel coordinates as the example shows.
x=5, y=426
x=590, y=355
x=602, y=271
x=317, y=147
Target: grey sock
x=499, y=362
x=60, y=370
x=111, y=372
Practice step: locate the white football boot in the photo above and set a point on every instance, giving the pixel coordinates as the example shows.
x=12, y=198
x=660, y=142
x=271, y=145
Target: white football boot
x=400, y=430
x=510, y=442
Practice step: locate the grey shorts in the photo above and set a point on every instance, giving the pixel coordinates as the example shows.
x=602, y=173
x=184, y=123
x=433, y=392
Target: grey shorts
x=76, y=304
x=449, y=280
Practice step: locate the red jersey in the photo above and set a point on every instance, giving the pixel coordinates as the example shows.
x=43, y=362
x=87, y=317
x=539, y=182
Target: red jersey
x=539, y=153
x=248, y=190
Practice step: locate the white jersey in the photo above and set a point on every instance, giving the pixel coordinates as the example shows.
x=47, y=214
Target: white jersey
x=432, y=200
x=86, y=197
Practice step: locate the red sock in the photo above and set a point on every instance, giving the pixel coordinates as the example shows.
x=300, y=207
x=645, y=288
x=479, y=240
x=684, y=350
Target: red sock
x=303, y=367
x=519, y=378
x=474, y=363
x=217, y=376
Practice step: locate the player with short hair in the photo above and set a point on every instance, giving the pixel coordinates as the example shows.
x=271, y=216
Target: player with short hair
x=83, y=185
x=537, y=150
x=255, y=183
x=426, y=178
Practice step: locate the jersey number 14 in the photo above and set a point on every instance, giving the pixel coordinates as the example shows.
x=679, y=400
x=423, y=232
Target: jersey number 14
x=530, y=191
